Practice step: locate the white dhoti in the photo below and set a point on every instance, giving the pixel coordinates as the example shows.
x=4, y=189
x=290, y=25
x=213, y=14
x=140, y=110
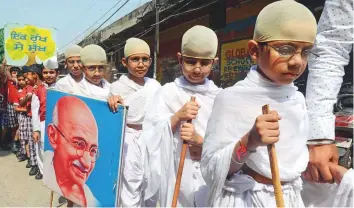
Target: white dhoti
x=133, y=172
x=164, y=146
x=243, y=191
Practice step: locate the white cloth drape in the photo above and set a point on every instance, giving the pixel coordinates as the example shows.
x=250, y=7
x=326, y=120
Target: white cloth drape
x=234, y=113
x=136, y=97
x=330, y=195
x=69, y=85
x=94, y=91
x=164, y=147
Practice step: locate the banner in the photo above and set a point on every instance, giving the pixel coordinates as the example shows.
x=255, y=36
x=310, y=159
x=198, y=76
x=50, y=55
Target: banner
x=28, y=44
x=83, y=149
x=235, y=62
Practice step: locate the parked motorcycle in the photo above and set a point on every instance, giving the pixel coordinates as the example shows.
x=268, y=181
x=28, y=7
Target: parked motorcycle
x=343, y=110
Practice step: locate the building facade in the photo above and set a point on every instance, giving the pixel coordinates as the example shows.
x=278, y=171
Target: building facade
x=232, y=20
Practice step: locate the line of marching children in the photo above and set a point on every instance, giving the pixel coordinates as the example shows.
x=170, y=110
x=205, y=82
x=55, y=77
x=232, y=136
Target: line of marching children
x=227, y=161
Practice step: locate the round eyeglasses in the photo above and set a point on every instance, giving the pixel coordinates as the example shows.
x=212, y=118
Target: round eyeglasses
x=192, y=62
x=100, y=68
x=73, y=61
x=136, y=60
x=288, y=51
x=81, y=147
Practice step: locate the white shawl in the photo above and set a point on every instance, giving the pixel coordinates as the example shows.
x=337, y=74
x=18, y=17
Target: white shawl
x=93, y=91
x=69, y=85
x=234, y=114
x=164, y=147
x=135, y=96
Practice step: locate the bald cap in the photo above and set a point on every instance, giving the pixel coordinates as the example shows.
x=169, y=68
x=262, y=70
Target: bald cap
x=199, y=42
x=93, y=55
x=135, y=46
x=285, y=20
x=73, y=50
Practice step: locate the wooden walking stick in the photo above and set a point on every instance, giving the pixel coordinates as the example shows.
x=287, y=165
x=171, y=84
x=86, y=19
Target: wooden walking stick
x=180, y=168
x=274, y=168
x=51, y=198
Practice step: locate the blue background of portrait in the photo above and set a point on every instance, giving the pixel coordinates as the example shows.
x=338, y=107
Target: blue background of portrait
x=110, y=135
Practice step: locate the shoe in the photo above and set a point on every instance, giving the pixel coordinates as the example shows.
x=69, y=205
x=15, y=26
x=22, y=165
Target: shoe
x=28, y=165
x=39, y=176
x=18, y=154
x=34, y=170
x=22, y=158
x=16, y=147
x=62, y=200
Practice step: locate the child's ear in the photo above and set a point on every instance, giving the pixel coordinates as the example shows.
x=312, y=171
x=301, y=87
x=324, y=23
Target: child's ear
x=124, y=62
x=253, y=49
x=179, y=57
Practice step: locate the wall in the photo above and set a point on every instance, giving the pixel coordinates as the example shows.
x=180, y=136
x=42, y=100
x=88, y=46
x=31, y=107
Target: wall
x=170, y=44
x=233, y=51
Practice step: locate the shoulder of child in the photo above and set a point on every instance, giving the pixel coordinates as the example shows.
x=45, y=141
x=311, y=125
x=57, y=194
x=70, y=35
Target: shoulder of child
x=115, y=84
x=61, y=80
x=153, y=81
x=223, y=94
x=300, y=96
x=169, y=85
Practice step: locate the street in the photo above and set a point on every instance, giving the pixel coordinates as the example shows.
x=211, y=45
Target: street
x=19, y=189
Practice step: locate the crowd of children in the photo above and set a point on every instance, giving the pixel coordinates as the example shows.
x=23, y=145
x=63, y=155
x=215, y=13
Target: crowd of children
x=21, y=88
x=227, y=160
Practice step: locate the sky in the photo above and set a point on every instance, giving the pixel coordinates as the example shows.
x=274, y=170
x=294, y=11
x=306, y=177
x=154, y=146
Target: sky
x=69, y=17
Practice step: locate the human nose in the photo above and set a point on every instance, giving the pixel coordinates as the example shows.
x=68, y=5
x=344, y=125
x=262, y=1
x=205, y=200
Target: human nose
x=86, y=159
x=296, y=59
x=97, y=72
x=141, y=62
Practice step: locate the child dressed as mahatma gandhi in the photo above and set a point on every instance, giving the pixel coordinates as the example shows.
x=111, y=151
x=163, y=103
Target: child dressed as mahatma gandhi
x=235, y=161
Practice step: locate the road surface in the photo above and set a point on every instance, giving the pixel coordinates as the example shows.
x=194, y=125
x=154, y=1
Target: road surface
x=19, y=189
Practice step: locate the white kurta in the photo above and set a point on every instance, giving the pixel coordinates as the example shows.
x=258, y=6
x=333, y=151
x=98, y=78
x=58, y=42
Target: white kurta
x=164, y=147
x=334, y=42
x=38, y=126
x=52, y=86
x=136, y=97
x=234, y=114
x=69, y=85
